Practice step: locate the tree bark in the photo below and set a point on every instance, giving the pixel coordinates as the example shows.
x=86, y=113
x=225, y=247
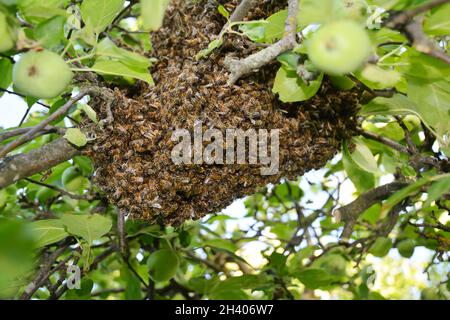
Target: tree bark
x=20, y=166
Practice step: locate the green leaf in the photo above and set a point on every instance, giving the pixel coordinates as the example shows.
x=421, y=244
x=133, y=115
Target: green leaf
x=116, y=68
x=37, y=11
x=224, y=12
x=48, y=231
x=89, y=227
x=89, y=112
x=85, y=164
x=363, y=157
x=438, y=23
x=291, y=88
x=98, y=14
x=432, y=101
x=6, y=71
x=163, y=265
x=377, y=78
x=410, y=190
x=319, y=12
x=381, y=247
x=437, y=190
x=401, y=105
x=76, y=137
x=221, y=244
x=152, y=13
x=419, y=65
x=314, y=278
x=275, y=27
x=362, y=179
x=254, y=31
x=50, y=33
x=213, y=45
x=107, y=48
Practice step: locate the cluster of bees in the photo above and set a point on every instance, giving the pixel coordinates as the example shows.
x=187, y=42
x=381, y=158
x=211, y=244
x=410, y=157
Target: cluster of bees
x=133, y=155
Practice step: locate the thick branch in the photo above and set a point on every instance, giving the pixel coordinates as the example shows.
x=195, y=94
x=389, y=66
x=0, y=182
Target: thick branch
x=239, y=68
x=24, y=165
x=350, y=213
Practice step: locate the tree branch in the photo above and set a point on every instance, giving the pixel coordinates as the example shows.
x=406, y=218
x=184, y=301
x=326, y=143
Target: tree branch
x=350, y=213
x=404, y=22
x=239, y=68
x=16, y=132
x=31, y=134
x=24, y=165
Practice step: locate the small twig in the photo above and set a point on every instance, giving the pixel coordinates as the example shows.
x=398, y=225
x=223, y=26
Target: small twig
x=109, y=103
x=239, y=68
x=43, y=274
x=16, y=132
x=121, y=230
x=240, y=12
x=63, y=192
x=30, y=134
x=386, y=141
x=404, y=22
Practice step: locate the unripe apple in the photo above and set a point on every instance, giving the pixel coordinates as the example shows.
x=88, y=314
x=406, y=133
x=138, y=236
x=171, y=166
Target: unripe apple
x=406, y=248
x=8, y=34
x=339, y=47
x=41, y=74
x=355, y=9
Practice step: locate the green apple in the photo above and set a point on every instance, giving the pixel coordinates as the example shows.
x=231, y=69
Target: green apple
x=406, y=248
x=339, y=47
x=355, y=9
x=8, y=33
x=41, y=74
x=381, y=247
x=163, y=265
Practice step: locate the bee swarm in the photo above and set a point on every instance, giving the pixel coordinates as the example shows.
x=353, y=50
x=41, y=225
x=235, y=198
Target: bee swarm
x=133, y=155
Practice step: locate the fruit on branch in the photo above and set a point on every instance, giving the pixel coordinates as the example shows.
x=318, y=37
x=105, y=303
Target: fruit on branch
x=406, y=248
x=355, y=9
x=8, y=33
x=166, y=258
x=339, y=47
x=41, y=74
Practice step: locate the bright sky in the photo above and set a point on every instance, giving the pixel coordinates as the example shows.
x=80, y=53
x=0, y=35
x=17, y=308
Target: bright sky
x=12, y=109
